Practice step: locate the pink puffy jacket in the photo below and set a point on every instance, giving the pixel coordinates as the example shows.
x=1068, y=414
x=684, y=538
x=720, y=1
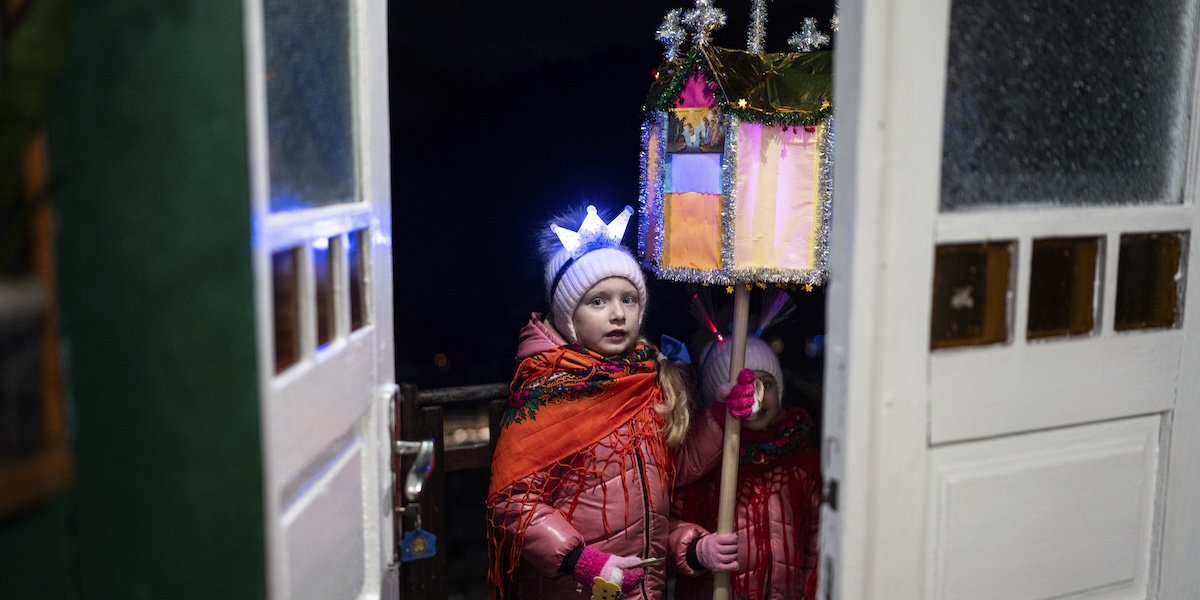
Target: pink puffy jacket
x=647, y=531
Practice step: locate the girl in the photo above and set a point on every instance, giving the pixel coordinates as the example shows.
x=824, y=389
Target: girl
x=578, y=503
x=778, y=488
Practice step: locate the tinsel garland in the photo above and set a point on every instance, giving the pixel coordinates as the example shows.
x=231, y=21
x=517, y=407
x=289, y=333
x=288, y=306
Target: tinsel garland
x=758, y=27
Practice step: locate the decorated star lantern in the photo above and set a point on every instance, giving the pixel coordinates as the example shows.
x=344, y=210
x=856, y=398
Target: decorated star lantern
x=736, y=177
x=736, y=166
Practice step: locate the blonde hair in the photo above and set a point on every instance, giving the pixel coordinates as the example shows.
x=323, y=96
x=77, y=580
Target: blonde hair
x=676, y=382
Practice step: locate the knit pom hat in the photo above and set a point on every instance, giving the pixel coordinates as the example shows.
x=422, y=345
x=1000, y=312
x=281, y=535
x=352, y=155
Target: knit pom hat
x=714, y=366
x=571, y=272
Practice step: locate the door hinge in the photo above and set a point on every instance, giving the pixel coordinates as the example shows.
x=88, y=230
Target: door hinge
x=830, y=496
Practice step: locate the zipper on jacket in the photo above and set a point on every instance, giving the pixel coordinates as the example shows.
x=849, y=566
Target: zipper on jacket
x=637, y=454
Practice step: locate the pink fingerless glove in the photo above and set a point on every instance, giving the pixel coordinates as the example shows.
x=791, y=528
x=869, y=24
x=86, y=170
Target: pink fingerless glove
x=739, y=399
x=594, y=563
x=718, y=551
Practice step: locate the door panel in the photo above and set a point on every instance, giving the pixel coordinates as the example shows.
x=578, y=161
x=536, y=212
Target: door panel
x=1060, y=514
x=318, y=108
x=324, y=533
x=986, y=392
x=1020, y=460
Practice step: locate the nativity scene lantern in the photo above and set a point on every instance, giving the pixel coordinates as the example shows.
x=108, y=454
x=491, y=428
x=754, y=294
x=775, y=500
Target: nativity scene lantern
x=736, y=175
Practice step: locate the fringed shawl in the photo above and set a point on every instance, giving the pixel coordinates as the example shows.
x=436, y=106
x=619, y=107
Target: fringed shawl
x=563, y=403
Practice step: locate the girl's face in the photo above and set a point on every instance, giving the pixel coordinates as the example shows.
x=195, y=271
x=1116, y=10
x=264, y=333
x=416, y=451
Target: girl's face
x=771, y=410
x=606, y=320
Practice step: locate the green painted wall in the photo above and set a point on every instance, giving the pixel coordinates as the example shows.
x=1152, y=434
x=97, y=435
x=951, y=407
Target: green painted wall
x=149, y=153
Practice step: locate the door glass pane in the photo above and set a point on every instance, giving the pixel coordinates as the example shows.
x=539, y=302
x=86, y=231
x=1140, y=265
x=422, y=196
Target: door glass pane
x=309, y=107
x=323, y=278
x=1062, y=287
x=356, y=261
x=970, y=294
x=285, y=288
x=1066, y=103
x=1149, y=281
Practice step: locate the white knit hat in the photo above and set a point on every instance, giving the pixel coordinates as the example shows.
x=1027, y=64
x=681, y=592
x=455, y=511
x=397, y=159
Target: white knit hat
x=582, y=258
x=714, y=367
x=580, y=275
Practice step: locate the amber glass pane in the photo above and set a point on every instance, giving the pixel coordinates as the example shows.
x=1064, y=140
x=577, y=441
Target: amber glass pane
x=286, y=292
x=1062, y=284
x=358, y=285
x=970, y=294
x=323, y=277
x=1149, y=281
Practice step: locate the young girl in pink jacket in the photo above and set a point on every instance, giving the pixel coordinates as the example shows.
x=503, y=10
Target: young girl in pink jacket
x=578, y=501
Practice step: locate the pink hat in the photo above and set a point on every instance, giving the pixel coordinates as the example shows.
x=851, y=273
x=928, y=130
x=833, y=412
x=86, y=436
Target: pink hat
x=714, y=365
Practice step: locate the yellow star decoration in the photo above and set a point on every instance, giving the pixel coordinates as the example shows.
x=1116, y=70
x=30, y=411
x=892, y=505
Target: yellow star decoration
x=742, y=103
x=761, y=285
x=729, y=289
x=808, y=287
x=824, y=105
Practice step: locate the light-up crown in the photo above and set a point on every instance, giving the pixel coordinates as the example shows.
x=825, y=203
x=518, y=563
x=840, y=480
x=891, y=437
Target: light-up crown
x=593, y=232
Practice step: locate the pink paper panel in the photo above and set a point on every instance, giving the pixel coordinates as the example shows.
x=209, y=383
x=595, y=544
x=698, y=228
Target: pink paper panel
x=697, y=92
x=692, y=237
x=694, y=173
x=776, y=197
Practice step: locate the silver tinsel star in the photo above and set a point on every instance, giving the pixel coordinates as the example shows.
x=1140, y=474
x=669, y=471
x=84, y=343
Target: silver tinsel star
x=833, y=21
x=672, y=34
x=703, y=20
x=808, y=38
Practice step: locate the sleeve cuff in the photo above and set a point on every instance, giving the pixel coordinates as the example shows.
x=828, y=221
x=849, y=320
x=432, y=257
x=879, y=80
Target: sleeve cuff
x=570, y=560
x=693, y=559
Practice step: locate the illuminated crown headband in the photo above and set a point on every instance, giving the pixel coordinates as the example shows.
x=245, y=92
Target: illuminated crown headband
x=593, y=234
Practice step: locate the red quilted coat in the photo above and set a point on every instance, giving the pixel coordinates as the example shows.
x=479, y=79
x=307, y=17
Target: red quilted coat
x=623, y=509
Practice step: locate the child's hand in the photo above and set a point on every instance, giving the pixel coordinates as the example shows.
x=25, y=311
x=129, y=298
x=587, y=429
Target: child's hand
x=718, y=551
x=595, y=564
x=740, y=398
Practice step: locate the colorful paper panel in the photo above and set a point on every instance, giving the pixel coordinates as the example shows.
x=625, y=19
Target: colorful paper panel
x=692, y=231
x=777, y=207
x=693, y=173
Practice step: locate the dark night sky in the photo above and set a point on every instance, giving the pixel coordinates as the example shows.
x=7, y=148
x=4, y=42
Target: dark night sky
x=504, y=113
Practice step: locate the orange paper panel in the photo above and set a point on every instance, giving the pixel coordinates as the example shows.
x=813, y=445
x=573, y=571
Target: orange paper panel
x=692, y=234
x=776, y=197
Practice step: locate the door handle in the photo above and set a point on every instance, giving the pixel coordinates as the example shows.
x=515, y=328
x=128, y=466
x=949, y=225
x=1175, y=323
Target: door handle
x=422, y=465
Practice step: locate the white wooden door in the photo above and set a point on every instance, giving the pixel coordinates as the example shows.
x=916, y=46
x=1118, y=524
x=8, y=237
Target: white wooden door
x=1013, y=405
x=321, y=231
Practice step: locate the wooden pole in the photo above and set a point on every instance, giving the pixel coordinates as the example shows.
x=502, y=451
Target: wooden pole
x=733, y=434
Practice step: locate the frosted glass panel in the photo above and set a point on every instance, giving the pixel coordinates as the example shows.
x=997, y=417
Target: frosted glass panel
x=309, y=109
x=1066, y=103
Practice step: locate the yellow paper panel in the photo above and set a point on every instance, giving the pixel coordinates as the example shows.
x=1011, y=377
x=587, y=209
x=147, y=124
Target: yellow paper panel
x=692, y=237
x=776, y=197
